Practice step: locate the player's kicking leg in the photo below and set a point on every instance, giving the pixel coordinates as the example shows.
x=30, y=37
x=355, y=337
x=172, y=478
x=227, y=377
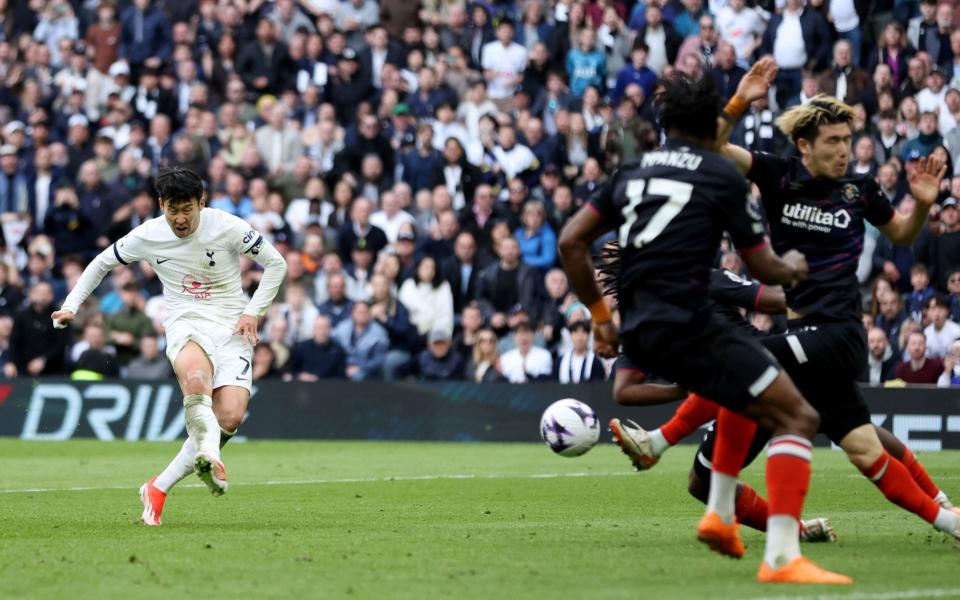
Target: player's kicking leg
x=202, y=449
x=644, y=448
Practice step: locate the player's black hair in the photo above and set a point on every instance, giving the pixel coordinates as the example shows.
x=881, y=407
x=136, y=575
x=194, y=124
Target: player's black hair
x=177, y=184
x=688, y=108
x=607, y=263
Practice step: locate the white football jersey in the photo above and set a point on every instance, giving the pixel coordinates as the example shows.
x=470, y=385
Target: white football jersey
x=200, y=273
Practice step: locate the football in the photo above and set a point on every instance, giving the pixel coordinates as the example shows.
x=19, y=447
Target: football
x=569, y=427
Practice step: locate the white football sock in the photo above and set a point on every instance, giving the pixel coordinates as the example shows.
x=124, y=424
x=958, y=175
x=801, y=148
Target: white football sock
x=723, y=496
x=179, y=467
x=658, y=443
x=783, y=540
x=946, y=521
x=940, y=498
x=202, y=424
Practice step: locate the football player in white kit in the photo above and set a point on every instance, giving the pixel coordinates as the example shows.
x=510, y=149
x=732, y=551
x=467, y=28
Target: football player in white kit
x=210, y=327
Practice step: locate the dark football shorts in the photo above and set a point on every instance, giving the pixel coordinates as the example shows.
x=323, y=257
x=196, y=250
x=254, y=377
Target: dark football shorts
x=707, y=356
x=824, y=361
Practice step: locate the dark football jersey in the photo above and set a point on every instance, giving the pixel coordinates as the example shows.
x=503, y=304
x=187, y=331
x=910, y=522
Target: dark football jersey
x=670, y=208
x=823, y=219
x=729, y=293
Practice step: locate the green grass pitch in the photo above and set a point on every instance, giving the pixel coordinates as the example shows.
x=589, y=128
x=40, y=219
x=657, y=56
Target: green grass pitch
x=426, y=520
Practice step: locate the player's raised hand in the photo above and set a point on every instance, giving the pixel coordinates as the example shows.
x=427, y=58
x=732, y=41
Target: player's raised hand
x=247, y=327
x=62, y=318
x=925, y=181
x=606, y=339
x=797, y=262
x=756, y=83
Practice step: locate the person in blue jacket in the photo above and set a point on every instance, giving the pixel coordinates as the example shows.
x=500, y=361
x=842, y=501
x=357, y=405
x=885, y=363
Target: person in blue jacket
x=538, y=242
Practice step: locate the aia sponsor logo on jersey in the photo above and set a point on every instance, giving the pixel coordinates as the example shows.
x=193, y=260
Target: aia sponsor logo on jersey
x=197, y=285
x=811, y=218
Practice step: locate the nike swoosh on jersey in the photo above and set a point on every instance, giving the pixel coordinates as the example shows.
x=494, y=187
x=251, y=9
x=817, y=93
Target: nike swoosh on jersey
x=160, y=262
x=242, y=379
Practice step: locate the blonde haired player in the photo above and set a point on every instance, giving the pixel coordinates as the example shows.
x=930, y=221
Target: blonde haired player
x=211, y=328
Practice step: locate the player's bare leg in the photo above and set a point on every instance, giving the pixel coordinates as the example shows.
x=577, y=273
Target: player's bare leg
x=195, y=373
x=892, y=477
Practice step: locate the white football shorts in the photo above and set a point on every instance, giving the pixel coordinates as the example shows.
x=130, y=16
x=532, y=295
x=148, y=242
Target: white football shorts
x=231, y=357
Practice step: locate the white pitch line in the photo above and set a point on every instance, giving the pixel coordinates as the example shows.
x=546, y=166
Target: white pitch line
x=896, y=595
x=333, y=481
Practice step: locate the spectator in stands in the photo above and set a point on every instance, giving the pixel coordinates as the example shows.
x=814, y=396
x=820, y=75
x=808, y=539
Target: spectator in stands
x=944, y=249
x=578, y=364
x=484, y=365
x=742, y=27
x=585, y=64
x=798, y=38
x=395, y=319
x=480, y=217
x=357, y=273
x=338, y=306
x=704, y=44
x=525, y=362
x=150, y=364
x=359, y=228
x=920, y=293
x=440, y=361
x=10, y=296
x=941, y=332
x=503, y=63
x=506, y=283
x=265, y=362
x=145, y=39
x=36, y=348
x=97, y=360
x=882, y=361
x=428, y=298
x=919, y=368
x=390, y=216
x=365, y=342
x=845, y=80
x=462, y=270
x=318, y=357
x=951, y=367
x=264, y=63
x=278, y=142
x=126, y=327
x=659, y=36
x=538, y=242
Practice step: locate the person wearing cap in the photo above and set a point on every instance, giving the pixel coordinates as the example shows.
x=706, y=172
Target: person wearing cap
x=349, y=87
x=440, y=361
x=943, y=252
x=941, y=332
x=15, y=133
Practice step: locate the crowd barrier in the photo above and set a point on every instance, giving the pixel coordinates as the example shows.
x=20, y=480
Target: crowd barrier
x=55, y=409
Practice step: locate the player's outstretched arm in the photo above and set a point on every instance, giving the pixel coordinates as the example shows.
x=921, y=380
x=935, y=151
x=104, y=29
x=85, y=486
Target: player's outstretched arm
x=91, y=277
x=754, y=85
x=925, y=188
x=576, y=237
x=274, y=271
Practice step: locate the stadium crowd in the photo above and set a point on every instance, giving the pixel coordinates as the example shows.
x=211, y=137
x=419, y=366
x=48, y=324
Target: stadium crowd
x=414, y=161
